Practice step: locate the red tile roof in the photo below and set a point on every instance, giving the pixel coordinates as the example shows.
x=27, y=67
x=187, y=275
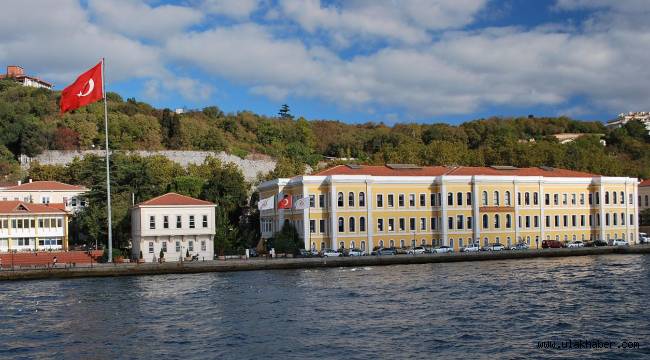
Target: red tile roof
x=645, y=182
x=19, y=207
x=46, y=185
x=444, y=170
x=174, y=199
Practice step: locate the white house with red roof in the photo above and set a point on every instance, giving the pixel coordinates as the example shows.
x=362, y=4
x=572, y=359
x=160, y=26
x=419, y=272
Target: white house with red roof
x=46, y=192
x=30, y=227
x=174, y=223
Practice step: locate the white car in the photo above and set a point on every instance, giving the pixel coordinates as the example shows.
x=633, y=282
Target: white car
x=619, y=242
x=643, y=238
x=330, y=253
x=493, y=247
x=575, y=244
x=417, y=250
x=442, y=250
x=471, y=248
x=356, y=252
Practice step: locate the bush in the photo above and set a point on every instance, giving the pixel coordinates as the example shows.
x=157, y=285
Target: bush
x=116, y=253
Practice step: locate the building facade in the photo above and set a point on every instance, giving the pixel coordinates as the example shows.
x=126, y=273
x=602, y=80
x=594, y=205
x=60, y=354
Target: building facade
x=17, y=73
x=32, y=227
x=46, y=192
x=644, y=195
x=404, y=205
x=175, y=224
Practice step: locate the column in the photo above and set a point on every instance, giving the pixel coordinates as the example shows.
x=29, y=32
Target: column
x=515, y=196
x=475, y=212
x=333, y=206
x=443, y=208
x=306, y=218
x=370, y=228
x=601, y=200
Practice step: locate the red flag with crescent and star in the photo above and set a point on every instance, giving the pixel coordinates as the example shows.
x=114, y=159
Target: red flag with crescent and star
x=87, y=89
x=285, y=203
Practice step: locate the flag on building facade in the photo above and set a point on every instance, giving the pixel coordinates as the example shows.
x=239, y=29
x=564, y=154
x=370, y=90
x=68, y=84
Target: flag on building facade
x=87, y=89
x=302, y=203
x=265, y=204
x=286, y=202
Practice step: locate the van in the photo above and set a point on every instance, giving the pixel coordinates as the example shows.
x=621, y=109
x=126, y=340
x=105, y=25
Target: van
x=551, y=244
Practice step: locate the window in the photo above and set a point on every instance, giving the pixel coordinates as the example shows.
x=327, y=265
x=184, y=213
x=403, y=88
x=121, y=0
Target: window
x=178, y=246
x=380, y=225
x=565, y=199
x=312, y=226
x=341, y=225
x=527, y=221
x=582, y=220
x=582, y=199
x=565, y=220
x=351, y=224
x=178, y=222
x=190, y=245
x=574, y=220
x=631, y=219
x=391, y=224
x=412, y=200
x=412, y=224
x=152, y=222
x=614, y=197
x=73, y=201
x=469, y=198
x=433, y=199
x=380, y=200
x=164, y=246
x=536, y=221
x=402, y=224
x=556, y=199
x=191, y=221
x=459, y=222
x=591, y=199
x=497, y=221
x=205, y=221
x=339, y=199
x=459, y=199
x=391, y=200
x=547, y=199
x=362, y=224
x=622, y=198
x=484, y=198
x=496, y=198
x=615, y=219
x=519, y=198
x=362, y=199
x=321, y=200
x=321, y=226
x=535, y=198
x=423, y=200
x=597, y=198
x=450, y=199
x=507, y=198
x=351, y=199
x=423, y=224
x=548, y=221
x=508, y=221
x=150, y=247
x=450, y=222
x=469, y=222
x=203, y=245
x=527, y=198
x=400, y=200
x=607, y=219
x=312, y=201
x=45, y=200
x=607, y=198
x=485, y=221
x=434, y=223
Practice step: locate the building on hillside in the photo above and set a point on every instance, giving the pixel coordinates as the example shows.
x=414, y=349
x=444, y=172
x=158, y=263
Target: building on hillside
x=17, y=74
x=175, y=224
x=565, y=138
x=31, y=227
x=624, y=118
x=45, y=192
x=403, y=205
x=644, y=195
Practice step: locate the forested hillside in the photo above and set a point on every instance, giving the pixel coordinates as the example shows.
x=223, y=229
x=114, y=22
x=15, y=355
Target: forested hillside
x=30, y=123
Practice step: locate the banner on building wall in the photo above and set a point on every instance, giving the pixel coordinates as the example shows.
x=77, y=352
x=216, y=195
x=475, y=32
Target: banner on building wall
x=265, y=204
x=302, y=203
x=286, y=202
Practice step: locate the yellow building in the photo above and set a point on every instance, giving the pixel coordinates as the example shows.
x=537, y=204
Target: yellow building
x=404, y=205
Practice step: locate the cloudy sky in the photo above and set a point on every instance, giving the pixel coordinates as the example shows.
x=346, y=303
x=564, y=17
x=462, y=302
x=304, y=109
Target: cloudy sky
x=351, y=60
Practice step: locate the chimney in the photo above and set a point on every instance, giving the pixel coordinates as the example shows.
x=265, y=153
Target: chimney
x=14, y=70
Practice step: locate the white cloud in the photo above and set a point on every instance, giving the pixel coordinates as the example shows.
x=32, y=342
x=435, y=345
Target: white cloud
x=238, y=9
x=190, y=89
x=137, y=19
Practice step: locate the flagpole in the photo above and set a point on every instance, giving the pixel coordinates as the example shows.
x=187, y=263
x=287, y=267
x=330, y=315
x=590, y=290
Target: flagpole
x=108, y=172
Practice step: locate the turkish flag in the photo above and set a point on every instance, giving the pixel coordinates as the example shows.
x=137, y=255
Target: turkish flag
x=87, y=89
x=285, y=203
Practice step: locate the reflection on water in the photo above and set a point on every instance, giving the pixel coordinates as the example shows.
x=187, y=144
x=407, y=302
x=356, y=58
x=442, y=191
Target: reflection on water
x=491, y=309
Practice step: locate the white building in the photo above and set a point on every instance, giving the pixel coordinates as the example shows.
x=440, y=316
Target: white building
x=623, y=118
x=175, y=224
x=27, y=227
x=46, y=192
x=17, y=73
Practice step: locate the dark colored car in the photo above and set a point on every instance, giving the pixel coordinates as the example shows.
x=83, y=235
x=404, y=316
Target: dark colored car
x=596, y=243
x=303, y=253
x=551, y=244
x=252, y=253
x=387, y=251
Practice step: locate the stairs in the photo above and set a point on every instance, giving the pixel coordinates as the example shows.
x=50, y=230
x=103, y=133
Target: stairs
x=45, y=258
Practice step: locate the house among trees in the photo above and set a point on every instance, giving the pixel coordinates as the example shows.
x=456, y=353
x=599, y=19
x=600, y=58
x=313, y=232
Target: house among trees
x=17, y=73
x=176, y=226
x=70, y=197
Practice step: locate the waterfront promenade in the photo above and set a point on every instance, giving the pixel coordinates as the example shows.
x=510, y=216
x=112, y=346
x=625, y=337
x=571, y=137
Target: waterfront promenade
x=133, y=269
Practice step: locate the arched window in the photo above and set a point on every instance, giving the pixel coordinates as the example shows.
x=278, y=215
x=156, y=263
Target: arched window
x=507, y=198
x=401, y=243
x=322, y=245
x=508, y=221
x=496, y=198
x=484, y=199
x=607, y=197
x=485, y=221
x=527, y=198
x=459, y=199
x=450, y=199
x=362, y=224
x=351, y=224
x=351, y=199
x=381, y=243
x=497, y=221
x=341, y=225
x=363, y=246
x=392, y=243
x=615, y=197
x=622, y=219
x=535, y=198
x=362, y=199
x=340, y=199
x=341, y=245
x=352, y=244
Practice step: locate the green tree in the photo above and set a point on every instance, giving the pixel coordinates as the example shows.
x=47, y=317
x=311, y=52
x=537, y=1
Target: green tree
x=285, y=112
x=287, y=240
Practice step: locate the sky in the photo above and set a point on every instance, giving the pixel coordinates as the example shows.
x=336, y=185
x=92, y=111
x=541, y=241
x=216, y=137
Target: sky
x=350, y=60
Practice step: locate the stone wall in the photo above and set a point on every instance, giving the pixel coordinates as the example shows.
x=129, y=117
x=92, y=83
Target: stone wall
x=251, y=166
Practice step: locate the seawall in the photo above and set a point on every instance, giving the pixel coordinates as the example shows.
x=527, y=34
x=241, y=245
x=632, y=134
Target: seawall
x=106, y=270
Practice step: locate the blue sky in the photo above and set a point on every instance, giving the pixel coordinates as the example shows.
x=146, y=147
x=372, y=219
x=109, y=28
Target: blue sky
x=354, y=60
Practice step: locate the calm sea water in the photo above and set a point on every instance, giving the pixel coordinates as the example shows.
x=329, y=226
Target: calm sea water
x=473, y=310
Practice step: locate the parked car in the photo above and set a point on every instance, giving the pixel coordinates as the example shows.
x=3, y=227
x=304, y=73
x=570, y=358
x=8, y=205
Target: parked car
x=303, y=253
x=619, y=242
x=471, y=248
x=551, y=244
x=643, y=238
x=493, y=247
x=596, y=243
x=330, y=253
x=314, y=252
x=575, y=244
x=417, y=250
x=387, y=251
x=442, y=250
x=252, y=252
x=520, y=246
x=356, y=252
